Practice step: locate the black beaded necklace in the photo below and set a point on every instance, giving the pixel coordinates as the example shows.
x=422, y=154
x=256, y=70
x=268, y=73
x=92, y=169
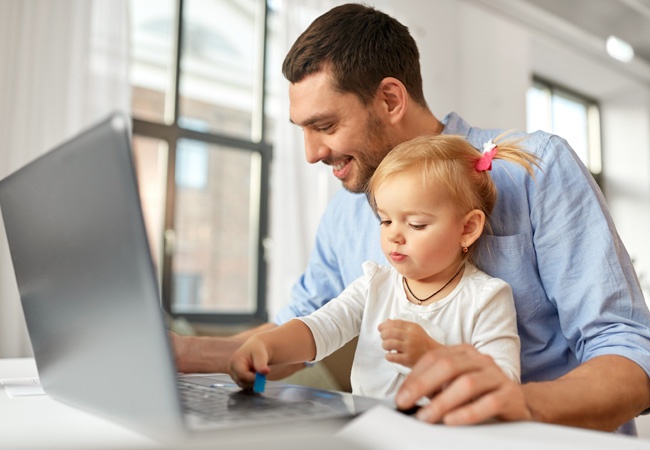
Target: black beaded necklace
x=420, y=300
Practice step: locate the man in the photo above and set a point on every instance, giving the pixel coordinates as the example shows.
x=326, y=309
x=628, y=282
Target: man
x=356, y=92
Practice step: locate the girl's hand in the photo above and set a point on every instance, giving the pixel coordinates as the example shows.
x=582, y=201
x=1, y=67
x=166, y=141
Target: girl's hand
x=250, y=358
x=405, y=341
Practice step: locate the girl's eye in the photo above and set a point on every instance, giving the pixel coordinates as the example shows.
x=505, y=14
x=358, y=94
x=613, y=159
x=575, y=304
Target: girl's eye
x=417, y=226
x=384, y=222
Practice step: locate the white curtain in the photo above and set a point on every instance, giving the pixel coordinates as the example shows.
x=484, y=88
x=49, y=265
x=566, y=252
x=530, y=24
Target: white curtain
x=63, y=66
x=299, y=191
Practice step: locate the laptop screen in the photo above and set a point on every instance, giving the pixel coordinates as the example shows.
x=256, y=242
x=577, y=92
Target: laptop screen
x=86, y=279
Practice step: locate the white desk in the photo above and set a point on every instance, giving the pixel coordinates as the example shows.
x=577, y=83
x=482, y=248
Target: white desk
x=41, y=422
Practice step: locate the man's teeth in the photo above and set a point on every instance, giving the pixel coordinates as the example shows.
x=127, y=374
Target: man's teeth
x=339, y=166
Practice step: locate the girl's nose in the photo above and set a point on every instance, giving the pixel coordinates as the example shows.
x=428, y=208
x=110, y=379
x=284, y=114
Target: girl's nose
x=396, y=236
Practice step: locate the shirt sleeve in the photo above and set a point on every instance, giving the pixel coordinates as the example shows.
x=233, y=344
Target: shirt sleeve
x=586, y=272
x=338, y=321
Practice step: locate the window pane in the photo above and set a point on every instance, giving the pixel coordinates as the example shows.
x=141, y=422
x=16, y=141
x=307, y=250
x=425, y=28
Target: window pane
x=152, y=56
x=150, y=156
x=218, y=65
x=192, y=165
x=538, y=109
x=570, y=122
x=569, y=115
x=217, y=199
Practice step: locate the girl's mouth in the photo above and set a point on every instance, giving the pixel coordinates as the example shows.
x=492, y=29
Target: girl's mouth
x=397, y=257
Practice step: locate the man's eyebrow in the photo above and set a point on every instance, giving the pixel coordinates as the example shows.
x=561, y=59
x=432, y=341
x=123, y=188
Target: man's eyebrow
x=312, y=120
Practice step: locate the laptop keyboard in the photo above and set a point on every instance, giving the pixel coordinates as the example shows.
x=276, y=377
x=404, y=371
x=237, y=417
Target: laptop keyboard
x=214, y=404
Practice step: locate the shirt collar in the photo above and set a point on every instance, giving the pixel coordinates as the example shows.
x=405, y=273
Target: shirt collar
x=454, y=124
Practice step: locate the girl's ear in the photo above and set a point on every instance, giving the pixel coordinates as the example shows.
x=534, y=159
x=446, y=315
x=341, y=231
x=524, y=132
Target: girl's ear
x=391, y=99
x=474, y=222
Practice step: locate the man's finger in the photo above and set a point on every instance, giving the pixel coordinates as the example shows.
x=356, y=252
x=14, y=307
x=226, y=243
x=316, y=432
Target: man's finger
x=506, y=403
x=459, y=393
x=435, y=369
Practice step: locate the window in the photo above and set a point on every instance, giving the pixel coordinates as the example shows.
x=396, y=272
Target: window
x=570, y=115
x=191, y=164
x=198, y=96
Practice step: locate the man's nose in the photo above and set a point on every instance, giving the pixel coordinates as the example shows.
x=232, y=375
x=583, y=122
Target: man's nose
x=315, y=149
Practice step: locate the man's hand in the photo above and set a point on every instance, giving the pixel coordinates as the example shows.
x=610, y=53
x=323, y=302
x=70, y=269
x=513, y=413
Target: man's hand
x=465, y=387
x=209, y=354
x=202, y=354
x=212, y=355
x=405, y=341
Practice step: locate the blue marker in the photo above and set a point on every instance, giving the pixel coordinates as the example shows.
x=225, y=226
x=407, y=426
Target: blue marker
x=260, y=383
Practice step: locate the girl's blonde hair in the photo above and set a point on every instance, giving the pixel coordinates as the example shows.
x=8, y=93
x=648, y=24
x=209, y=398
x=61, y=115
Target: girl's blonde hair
x=450, y=161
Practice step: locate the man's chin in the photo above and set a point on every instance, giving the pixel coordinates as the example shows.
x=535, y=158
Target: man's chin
x=353, y=187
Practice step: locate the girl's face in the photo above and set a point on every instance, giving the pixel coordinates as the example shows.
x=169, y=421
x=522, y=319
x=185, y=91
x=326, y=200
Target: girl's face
x=421, y=231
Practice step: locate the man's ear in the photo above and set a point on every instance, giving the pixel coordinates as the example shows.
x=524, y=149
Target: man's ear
x=392, y=99
x=474, y=222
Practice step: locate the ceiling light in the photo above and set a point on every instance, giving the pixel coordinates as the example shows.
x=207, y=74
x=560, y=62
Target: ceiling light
x=617, y=48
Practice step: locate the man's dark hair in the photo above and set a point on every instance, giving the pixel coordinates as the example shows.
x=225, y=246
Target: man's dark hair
x=361, y=46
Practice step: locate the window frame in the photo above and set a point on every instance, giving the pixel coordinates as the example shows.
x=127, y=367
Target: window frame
x=172, y=133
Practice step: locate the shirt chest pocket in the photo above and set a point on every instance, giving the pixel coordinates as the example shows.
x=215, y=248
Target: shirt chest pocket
x=513, y=259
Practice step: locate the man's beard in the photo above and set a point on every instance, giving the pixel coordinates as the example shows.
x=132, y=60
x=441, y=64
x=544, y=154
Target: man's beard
x=368, y=159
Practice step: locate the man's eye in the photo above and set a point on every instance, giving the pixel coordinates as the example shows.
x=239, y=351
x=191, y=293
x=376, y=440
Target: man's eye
x=325, y=128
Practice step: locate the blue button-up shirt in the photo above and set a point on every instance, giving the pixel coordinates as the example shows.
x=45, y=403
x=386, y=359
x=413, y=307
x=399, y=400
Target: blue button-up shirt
x=576, y=292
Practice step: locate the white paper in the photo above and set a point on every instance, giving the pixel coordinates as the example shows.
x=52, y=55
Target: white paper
x=382, y=428
x=19, y=387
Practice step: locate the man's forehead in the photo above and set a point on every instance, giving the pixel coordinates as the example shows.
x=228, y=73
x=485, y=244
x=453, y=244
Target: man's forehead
x=315, y=83
x=313, y=99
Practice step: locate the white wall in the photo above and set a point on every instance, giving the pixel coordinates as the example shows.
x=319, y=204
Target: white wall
x=473, y=62
x=626, y=142
x=494, y=73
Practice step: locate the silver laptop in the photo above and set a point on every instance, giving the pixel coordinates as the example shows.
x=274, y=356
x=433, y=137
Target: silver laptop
x=91, y=302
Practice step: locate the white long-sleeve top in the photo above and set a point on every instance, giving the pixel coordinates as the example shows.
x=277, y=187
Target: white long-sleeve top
x=479, y=311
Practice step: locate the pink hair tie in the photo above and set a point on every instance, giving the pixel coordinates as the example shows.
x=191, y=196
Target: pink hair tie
x=485, y=161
